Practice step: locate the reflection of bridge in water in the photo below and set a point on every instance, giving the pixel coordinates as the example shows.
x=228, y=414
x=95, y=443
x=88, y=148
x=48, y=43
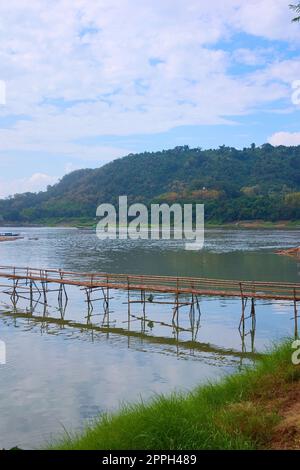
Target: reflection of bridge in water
x=182, y=294
x=181, y=347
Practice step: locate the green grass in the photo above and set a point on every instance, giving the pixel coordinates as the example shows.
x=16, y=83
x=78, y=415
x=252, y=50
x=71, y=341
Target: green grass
x=227, y=415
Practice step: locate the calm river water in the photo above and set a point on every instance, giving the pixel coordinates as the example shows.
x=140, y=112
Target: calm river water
x=60, y=377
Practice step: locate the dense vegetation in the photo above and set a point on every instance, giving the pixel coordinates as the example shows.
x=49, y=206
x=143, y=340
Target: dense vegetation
x=257, y=408
x=253, y=183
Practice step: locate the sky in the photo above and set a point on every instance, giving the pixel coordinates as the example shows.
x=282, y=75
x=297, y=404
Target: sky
x=88, y=81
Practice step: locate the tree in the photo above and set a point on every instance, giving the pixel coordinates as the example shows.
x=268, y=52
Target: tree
x=296, y=9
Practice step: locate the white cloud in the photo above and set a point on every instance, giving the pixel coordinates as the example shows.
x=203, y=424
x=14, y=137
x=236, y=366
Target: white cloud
x=266, y=18
x=285, y=138
x=252, y=57
x=96, y=56
x=80, y=69
x=36, y=182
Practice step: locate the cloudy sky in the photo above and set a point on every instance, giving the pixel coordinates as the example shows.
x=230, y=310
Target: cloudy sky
x=91, y=80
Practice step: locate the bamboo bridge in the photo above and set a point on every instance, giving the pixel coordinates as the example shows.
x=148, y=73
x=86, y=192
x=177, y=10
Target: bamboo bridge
x=34, y=284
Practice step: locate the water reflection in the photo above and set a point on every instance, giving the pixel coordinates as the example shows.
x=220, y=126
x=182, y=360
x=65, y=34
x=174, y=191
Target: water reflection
x=163, y=316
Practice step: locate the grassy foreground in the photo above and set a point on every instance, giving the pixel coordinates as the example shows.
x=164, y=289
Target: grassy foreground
x=258, y=408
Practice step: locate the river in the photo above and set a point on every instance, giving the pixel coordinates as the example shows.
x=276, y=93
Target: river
x=59, y=377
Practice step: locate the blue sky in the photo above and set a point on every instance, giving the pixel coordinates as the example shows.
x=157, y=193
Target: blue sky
x=88, y=81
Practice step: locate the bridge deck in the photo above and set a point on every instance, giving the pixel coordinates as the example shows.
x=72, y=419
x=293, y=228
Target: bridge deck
x=159, y=284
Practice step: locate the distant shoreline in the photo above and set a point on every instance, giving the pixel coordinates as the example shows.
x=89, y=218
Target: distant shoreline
x=91, y=224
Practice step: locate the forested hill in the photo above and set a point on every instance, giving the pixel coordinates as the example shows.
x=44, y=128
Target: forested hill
x=253, y=183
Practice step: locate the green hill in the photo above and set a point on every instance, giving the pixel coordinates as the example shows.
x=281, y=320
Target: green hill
x=253, y=183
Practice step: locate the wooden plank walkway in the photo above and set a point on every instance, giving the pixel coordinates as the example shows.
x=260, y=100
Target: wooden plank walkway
x=158, y=284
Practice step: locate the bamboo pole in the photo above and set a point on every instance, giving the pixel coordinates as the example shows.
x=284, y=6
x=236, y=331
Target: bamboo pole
x=295, y=315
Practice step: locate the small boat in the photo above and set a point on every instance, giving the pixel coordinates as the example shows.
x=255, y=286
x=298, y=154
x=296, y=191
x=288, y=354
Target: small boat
x=9, y=234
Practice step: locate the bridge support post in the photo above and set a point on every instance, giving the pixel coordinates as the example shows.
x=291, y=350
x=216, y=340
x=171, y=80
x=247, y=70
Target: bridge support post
x=128, y=299
x=105, y=320
x=31, y=294
x=242, y=320
x=176, y=309
x=43, y=276
x=253, y=325
x=295, y=315
x=143, y=301
x=194, y=322
x=89, y=304
x=14, y=295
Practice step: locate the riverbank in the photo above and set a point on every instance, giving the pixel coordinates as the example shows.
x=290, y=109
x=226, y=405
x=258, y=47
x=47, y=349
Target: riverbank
x=258, y=408
x=90, y=224
x=294, y=252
